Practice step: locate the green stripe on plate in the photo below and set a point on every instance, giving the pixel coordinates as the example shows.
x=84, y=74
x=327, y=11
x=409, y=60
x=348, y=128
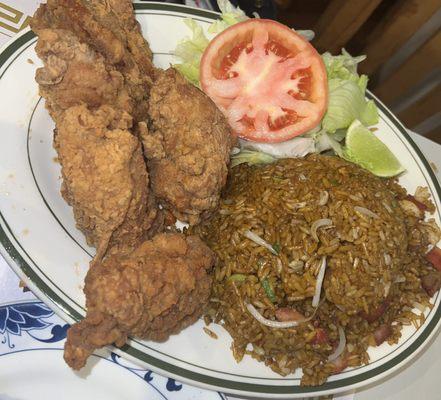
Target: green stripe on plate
x=12, y=48
x=191, y=11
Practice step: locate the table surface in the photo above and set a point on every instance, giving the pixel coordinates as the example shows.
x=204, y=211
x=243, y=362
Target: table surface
x=419, y=379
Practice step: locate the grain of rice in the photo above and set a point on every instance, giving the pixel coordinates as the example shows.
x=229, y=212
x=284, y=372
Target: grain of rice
x=210, y=333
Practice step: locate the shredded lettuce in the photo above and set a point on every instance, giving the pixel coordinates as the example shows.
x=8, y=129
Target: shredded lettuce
x=327, y=141
x=189, y=50
x=251, y=158
x=343, y=66
x=299, y=146
x=347, y=103
x=347, y=90
x=230, y=15
x=306, y=33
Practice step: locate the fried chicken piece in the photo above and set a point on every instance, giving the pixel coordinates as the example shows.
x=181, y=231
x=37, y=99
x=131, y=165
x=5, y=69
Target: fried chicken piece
x=108, y=28
x=158, y=290
x=104, y=177
x=96, y=85
x=118, y=17
x=75, y=74
x=187, y=146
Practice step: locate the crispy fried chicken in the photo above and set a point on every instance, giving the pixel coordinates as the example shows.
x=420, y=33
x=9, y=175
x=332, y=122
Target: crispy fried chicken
x=187, y=146
x=76, y=74
x=109, y=34
x=96, y=79
x=104, y=176
x=158, y=290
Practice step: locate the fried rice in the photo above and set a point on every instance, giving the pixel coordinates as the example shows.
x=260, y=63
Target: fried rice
x=283, y=227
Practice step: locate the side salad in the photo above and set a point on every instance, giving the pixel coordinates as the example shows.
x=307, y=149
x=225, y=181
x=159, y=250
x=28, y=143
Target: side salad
x=280, y=96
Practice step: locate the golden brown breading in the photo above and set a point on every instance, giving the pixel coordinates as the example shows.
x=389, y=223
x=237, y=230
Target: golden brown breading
x=96, y=80
x=118, y=17
x=104, y=176
x=187, y=146
x=96, y=86
x=75, y=74
x=156, y=291
x=115, y=35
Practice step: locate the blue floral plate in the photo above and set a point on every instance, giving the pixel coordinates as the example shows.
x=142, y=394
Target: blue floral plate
x=32, y=367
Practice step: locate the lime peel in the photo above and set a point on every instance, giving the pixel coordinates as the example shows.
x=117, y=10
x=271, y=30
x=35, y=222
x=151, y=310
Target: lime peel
x=365, y=149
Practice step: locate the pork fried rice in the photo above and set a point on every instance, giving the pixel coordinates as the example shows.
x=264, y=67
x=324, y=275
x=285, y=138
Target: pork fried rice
x=283, y=227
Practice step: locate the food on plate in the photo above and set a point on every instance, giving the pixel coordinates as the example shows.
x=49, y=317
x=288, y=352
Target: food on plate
x=187, y=145
x=267, y=79
x=342, y=96
x=104, y=177
x=365, y=149
x=434, y=257
x=189, y=50
x=75, y=36
x=318, y=259
x=96, y=79
x=347, y=91
x=152, y=293
x=315, y=258
x=74, y=73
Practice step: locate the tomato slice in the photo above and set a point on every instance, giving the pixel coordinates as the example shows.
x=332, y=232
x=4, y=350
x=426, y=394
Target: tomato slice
x=268, y=80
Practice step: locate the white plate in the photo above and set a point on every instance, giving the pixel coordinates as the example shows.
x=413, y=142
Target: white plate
x=39, y=239
x=32, y=365
x=23, y=378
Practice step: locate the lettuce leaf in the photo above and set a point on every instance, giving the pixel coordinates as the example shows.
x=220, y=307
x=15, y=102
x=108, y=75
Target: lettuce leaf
x=347, y=90
x=327, y=141
x=306, y=33
x=230, y=15
x=298, y=146
x=189, y=50
x=347, y=103
x=343, y=66
x=251, y=157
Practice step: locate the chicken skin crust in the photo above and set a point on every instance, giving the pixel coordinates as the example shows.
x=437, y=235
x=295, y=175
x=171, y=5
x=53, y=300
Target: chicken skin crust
x=104, y=177
x=156, y=291
x=187, y=145
x=75, y=74
x=96, y=77
x=107, y=100
x=109, y=29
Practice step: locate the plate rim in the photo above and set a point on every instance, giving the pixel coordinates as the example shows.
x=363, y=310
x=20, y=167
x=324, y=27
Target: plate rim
x=67, y=312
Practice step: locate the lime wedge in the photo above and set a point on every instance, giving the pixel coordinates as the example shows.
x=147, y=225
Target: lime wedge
x=365, y=149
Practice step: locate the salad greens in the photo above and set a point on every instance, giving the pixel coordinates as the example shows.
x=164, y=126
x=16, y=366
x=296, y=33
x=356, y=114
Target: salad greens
x=269, y=291
x=346, y=103
x=190, y=49
x=230, y=15
x=347, y=90
x=251, y=157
